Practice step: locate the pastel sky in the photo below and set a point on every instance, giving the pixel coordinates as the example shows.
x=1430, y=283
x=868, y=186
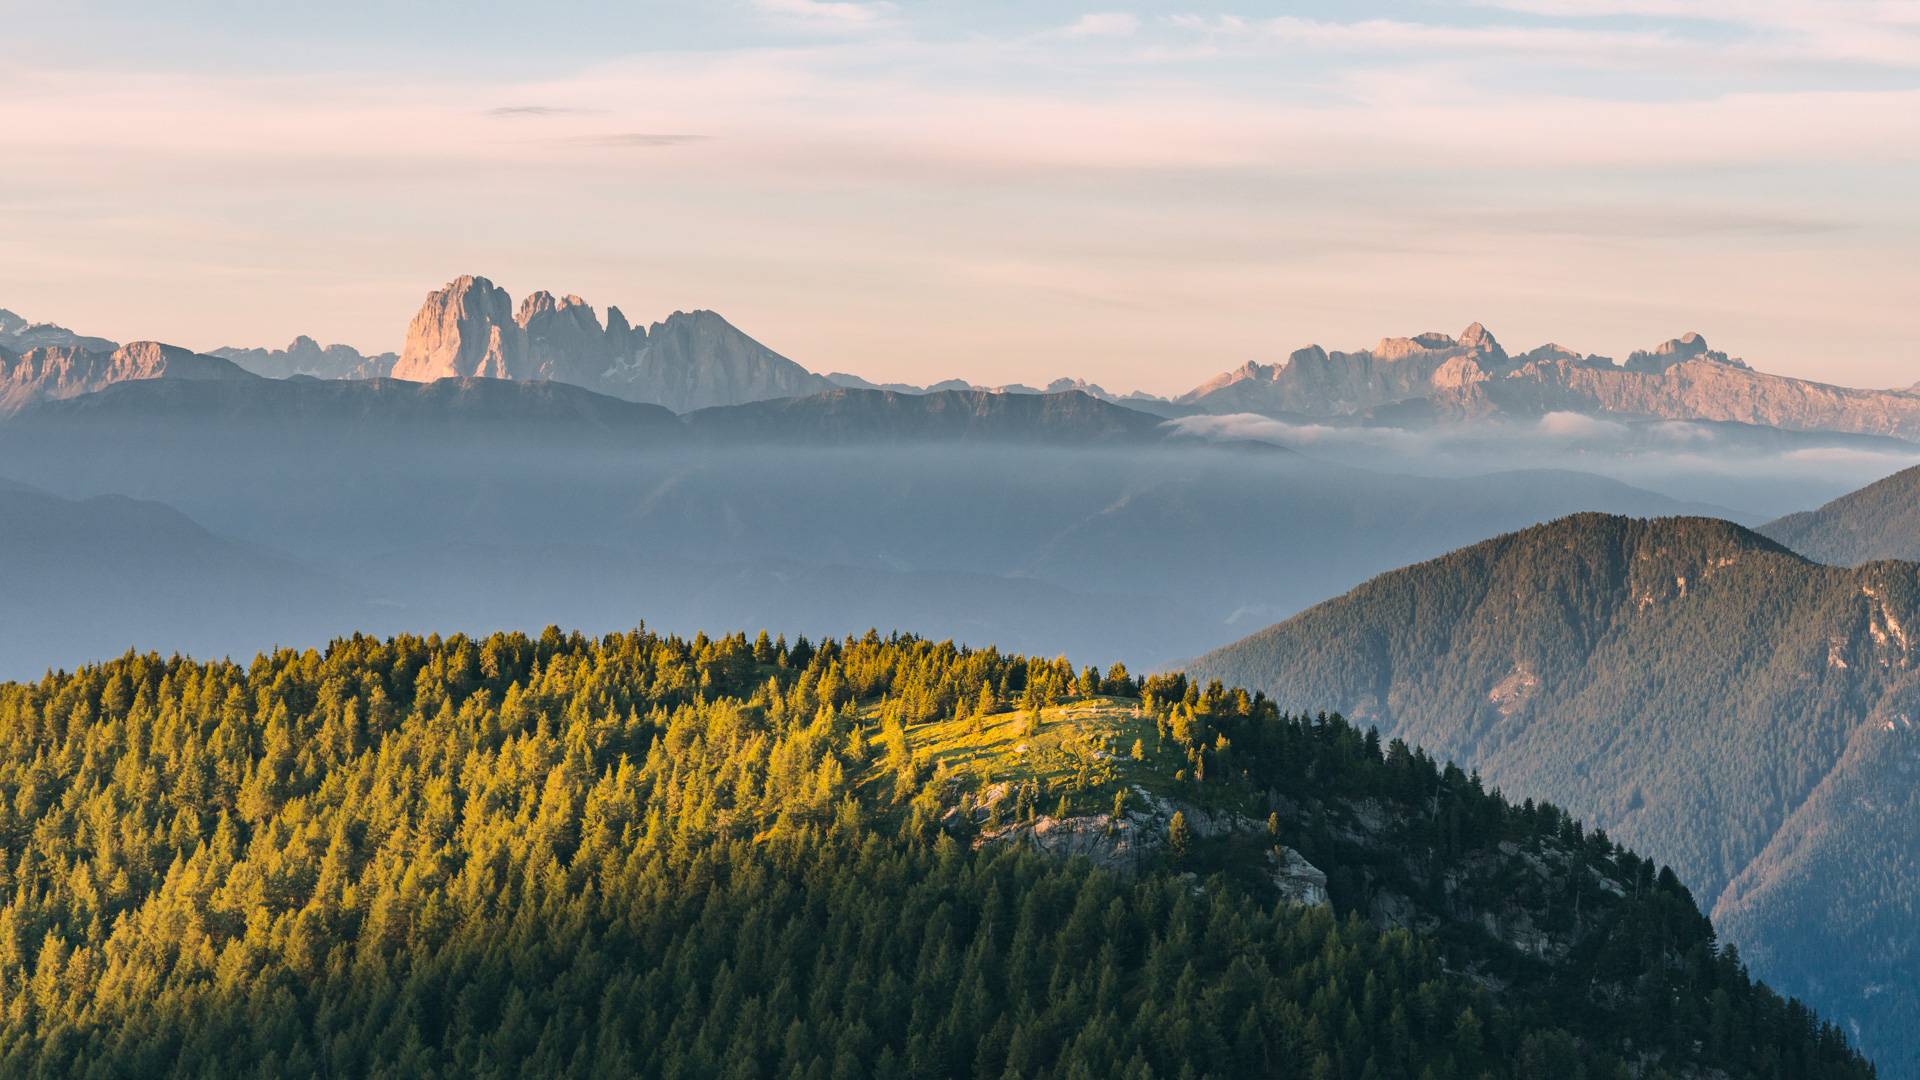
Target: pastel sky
x=1141, y=195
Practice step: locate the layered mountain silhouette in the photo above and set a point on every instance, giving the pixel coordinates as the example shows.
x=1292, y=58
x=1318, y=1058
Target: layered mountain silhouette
x=471, y=328
x=1088, y=499
x=1433, y=377
x=305, y=356
x=85, y=579
x=850, y=416
x=1691, y=687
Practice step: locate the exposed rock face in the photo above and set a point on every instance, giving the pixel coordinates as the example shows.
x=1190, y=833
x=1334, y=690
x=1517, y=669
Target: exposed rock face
x=68, y=371
x=694, y=360
x=305, y=356
x=1471, y=377
x=18, y=335
x=465, y=329
x=689, y=361
x=1316, y=382
x=1298, y=880
x=1136, y=838
x=563, y=340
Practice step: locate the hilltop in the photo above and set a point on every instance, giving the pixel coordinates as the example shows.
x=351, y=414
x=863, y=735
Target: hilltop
x=660, y=856
x=1692, y=687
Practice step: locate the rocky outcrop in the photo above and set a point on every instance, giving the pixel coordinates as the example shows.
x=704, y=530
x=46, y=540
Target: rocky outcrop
x=1316, y=382
x=18, y=335
x=465, y=329
x=305, y=356
x=695, y=360
x=68, y=371
x=1433, y=377
x=1138, y=838
x=691, y=360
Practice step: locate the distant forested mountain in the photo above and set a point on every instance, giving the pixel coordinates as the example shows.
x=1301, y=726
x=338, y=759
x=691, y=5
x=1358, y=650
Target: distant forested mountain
x=90, y=578
x=652, y=856
x=1045, y=522
x=1880, y=521
x=853, y=416
x=1692, y=687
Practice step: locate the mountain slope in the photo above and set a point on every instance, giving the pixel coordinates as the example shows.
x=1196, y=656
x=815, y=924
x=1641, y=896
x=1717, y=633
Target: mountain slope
x=86, y=579
x=850, y=416
x=343, y=410
x=1690, y=686
x=1880, y=521
x=650, y=856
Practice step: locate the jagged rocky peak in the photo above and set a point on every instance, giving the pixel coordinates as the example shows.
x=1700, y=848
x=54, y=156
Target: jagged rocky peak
x=690, y=360
x=1686, y=347
x=466, y=328
x=1478, y=338
x=20, y=334
x=564, y=339
x=63, y=371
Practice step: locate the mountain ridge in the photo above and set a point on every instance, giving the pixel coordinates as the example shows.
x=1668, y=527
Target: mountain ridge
x=690, y=360
x=1877, y=522
x=1434, y=377
x=1615, y=665
x=66, y=371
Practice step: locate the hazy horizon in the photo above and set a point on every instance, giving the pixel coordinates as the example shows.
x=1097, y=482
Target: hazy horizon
x=1140, y=196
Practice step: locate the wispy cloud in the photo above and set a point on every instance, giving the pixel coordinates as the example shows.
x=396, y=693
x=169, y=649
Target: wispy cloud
x=1399, y=36
x=842, y=14
x=1103, y=24
x=637, y=139
x=510, y=112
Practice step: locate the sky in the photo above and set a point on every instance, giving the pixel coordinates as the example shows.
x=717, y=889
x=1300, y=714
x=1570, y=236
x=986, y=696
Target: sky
x=1140, y=195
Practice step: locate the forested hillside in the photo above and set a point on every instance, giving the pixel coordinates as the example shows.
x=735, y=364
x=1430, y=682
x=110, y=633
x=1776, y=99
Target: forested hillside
x=710, y=857
x=1690, y=686
x=1880, y=521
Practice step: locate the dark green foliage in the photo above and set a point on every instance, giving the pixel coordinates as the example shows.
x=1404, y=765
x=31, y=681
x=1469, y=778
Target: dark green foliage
x=650, y=856
x=1880, y=521
x=1690, y=686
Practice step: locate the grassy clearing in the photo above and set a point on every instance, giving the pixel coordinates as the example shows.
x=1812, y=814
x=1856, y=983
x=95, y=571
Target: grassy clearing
x=1082, y=749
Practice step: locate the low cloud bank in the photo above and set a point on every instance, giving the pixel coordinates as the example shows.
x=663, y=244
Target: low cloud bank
x=1754, y=473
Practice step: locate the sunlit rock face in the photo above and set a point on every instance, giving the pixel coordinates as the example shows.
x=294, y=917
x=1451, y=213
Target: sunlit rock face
x=690, y=360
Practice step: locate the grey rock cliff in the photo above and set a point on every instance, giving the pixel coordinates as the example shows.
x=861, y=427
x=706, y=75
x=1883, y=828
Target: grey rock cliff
x=691, y=360
x=68, y=371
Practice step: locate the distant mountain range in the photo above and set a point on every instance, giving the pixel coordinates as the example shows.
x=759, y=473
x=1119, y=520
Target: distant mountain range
x=1690, y=686
x=471, y=328
x=1436, y=378
x=1064, y=499
x=305, y=356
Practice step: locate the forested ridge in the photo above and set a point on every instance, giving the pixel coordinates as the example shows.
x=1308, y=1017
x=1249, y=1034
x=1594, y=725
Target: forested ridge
x=1879, y=521
x=646, y=855
x=1700, y=691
